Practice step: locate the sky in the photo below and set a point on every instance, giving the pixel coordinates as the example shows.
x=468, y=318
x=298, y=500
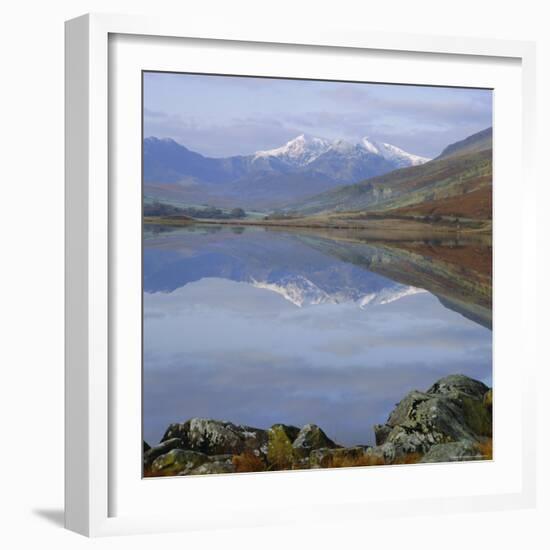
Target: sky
x=221, y=116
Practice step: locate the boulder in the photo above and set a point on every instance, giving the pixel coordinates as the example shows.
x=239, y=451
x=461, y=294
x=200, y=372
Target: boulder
x=459, y=383
x=382, y=454
x=161, y=449
x=453, y=452
x=177, y=462
x=214, y=437
x=381, y=433
x=214, y=467
x=451, y=410
x=309, y=438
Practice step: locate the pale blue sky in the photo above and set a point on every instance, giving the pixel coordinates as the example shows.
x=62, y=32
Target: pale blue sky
x=222, y=115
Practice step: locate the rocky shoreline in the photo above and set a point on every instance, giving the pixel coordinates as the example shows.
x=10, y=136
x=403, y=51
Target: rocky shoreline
x=451, y=421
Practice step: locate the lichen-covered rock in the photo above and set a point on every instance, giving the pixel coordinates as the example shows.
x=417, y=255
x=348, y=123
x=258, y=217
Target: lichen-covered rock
x=325, y=458
x=161, y=449
x=218, y=437
x=381, y=433
x=453, y=452
x=451, y=410
x=382, y=454
x=309, y=438
x=459, y=383
x=214, y=467
x=220, y=458
x=177, y=462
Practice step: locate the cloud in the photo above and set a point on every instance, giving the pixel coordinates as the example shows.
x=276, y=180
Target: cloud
x=224, y=115
x=239, y=136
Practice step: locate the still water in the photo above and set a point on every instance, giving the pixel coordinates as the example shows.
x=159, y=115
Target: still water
x=258, y=326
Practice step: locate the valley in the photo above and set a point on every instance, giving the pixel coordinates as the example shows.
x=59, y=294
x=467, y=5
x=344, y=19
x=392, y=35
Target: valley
x=449, y=194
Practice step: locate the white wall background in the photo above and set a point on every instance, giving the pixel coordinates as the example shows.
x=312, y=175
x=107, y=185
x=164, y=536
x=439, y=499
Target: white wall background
x=31, y=274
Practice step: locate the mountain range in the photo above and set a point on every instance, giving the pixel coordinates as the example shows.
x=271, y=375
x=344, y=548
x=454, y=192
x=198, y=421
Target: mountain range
x=456, y=183
x=304, y=166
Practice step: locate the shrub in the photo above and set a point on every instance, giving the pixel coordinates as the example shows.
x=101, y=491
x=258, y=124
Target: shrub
x=248, y=462
x=280, y=453
x=486, y=449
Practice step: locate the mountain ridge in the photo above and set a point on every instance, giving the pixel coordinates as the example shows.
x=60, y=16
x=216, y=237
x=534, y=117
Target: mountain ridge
x=300, y=167
x=462, y=168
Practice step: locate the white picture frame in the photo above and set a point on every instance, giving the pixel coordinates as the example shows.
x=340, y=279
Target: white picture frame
x=93, y=214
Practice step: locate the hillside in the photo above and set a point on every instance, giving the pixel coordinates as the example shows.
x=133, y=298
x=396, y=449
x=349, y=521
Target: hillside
x=442, y=185
x=472, y=144
x=477, y=205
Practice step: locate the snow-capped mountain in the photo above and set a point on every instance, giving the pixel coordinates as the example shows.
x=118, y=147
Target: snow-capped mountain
x=299, y=151
x=302, y=167
x=303, y=150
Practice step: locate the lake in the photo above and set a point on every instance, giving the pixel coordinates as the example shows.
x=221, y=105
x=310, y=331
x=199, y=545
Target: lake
x=260, y=326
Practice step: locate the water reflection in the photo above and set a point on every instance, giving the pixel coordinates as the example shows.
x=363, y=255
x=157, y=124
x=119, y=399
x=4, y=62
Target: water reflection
x=259, y=327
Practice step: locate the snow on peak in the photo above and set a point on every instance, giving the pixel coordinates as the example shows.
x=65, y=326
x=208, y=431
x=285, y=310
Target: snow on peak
x=392, y=153
x=342, y=146
x=304, y=149
x=370, y=146
x=301, y=150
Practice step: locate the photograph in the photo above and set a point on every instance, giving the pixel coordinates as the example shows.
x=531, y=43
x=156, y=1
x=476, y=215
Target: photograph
x=317, y=265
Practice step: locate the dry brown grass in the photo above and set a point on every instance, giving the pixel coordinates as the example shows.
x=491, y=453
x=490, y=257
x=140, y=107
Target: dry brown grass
x=486, y=449
x=350, y=462
x=410, y=458
x=369, y=460
x=248, y=462
x=148, y=473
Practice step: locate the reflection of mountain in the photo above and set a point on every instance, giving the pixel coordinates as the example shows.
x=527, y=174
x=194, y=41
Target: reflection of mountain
x=276, y=262
x=302, y=167
x=332, y=267
x=459, y=273
x=302, y=292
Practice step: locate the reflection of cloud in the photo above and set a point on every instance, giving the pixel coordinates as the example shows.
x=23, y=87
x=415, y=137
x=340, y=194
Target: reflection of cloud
x=228, y=350
x=345, y=402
